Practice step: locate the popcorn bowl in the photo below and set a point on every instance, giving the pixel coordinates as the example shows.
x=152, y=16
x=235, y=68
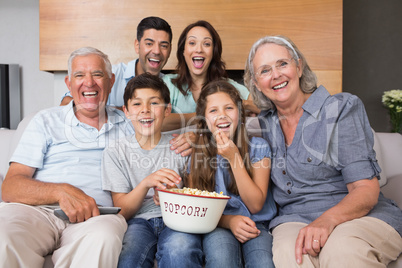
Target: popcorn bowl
x=191, y=213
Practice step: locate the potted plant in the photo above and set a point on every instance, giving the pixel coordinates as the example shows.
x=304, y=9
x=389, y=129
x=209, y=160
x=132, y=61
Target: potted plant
x=392, y=100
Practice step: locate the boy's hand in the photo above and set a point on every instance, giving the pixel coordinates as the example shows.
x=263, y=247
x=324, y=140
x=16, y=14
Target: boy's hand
x=243, y=228
x=181, y=144
x=156, y=197
x=162, y=179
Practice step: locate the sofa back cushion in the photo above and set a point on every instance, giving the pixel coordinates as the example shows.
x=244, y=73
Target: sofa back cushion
x=380, y=159
x=391, y=146
x=9, y=141
x=6, y=137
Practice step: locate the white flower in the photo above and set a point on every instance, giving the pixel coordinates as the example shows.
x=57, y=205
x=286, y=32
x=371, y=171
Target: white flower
x=393, y=99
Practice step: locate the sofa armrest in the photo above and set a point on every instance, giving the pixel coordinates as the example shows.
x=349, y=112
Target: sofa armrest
x=8, y=142
x=391, y=150
x=391, y=147
x=1, y=182
x=6, y=138
x=393, y=188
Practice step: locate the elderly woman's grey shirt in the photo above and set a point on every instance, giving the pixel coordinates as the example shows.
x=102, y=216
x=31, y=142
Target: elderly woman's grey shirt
x=332, y=146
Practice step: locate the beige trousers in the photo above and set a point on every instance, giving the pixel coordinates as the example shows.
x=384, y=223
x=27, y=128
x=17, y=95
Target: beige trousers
x=364, y=242
x=29, y=233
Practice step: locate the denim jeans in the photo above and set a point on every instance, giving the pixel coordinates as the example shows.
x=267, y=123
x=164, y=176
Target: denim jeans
x=222, y=249
x=147, y=239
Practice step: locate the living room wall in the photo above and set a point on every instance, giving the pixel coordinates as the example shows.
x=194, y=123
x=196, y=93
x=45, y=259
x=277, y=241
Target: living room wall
x=19, y=35
x=371, y=58
x=372, y=54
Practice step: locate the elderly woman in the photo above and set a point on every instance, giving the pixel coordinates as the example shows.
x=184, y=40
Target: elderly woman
x=324, y=170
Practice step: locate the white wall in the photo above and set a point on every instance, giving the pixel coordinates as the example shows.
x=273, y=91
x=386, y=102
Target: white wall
x=60, y=87
x=19, y=44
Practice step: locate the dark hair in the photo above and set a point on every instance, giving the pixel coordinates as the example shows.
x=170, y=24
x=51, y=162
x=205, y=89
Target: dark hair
x=153, y=23
x=216, y=69
x=146, y=80
x=202, y=173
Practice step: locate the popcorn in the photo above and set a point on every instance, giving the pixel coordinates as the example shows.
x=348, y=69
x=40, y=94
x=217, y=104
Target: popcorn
x=194, y=191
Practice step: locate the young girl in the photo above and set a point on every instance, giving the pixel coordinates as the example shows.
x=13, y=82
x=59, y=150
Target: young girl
x=224, y=159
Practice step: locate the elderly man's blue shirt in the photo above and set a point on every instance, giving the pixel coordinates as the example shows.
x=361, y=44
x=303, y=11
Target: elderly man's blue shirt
x=65, y=150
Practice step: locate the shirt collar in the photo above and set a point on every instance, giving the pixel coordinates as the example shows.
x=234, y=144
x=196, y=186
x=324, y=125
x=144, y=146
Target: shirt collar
x=315, y=102
x=312, y=105
x=129, y=72
x=69, y=116
x=265, y=113
x=114, y=115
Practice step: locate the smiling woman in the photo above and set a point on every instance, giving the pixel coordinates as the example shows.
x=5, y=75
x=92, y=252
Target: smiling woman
x=199, y=56
x=324, y=170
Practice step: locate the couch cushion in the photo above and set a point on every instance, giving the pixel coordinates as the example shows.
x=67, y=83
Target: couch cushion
x=380, y=159
x=393, y=188
x=397, y=263
x=391, y=144
x=18, y=133
x=1, y=182
x=6, y=137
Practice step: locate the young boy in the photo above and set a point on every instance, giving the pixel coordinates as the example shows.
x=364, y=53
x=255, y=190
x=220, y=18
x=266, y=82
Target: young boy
x=133, y=167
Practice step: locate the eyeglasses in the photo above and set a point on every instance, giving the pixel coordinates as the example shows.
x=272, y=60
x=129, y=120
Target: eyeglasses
x=265, y=71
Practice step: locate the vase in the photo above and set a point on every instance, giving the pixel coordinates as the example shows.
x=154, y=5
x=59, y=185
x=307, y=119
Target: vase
x=396, y=121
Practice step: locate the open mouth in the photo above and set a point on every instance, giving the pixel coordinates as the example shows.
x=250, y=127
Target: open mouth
x=223, y=125
x=282, y=85
x=146, y=122
x=154, y=62
x=198, y=62
x=91, y=94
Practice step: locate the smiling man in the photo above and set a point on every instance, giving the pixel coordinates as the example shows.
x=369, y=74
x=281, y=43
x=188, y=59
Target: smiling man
x=90, y=85
x=153, y=46
x=57, y=163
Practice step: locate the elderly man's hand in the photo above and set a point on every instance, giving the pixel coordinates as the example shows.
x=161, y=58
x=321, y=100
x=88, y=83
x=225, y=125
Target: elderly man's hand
x=76, y=204
x=181, y=143
x=250, y=108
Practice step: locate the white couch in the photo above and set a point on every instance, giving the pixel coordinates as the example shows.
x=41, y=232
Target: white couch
x=388, y=147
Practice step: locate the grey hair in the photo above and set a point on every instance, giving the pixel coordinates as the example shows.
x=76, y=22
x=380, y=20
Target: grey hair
x=85, y=51
x=308, y=80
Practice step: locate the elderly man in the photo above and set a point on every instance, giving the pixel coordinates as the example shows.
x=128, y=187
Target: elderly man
x=57, y=163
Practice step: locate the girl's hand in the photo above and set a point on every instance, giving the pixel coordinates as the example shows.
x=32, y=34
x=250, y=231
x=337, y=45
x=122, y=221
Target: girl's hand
x=162, y=179
x=226, y=146
x=243, y=228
